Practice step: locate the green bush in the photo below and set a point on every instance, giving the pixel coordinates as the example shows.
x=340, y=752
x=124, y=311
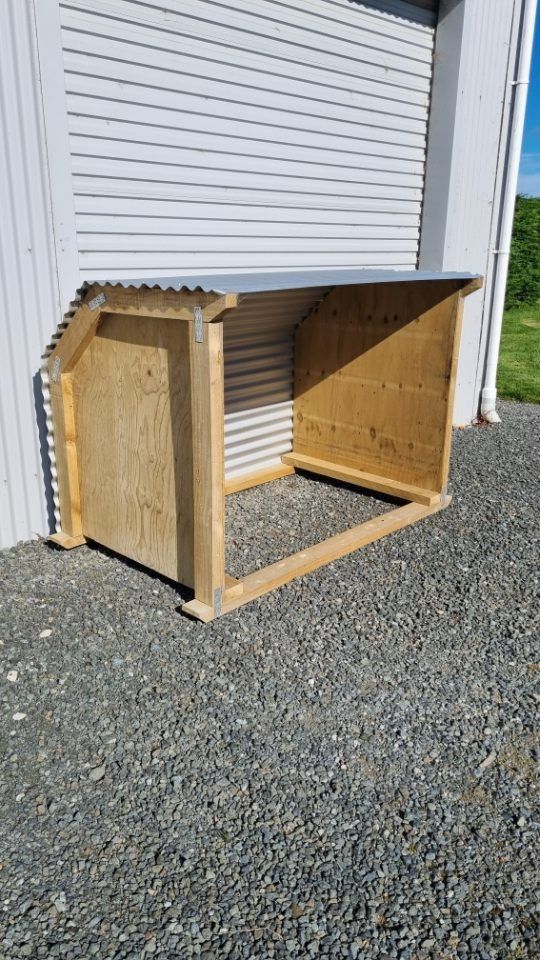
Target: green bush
x=524, y=273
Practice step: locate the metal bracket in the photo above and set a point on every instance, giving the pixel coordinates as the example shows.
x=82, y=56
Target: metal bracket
x=198, y=317
x=55, y=372
x=217, y=601
x=97, y=301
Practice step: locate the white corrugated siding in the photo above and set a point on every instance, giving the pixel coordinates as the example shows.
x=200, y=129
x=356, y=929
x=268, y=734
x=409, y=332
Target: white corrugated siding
x=213, y=136
x=29, y=293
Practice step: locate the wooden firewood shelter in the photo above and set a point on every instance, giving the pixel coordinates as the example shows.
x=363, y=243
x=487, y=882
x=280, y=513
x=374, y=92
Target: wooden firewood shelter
x=136, y=384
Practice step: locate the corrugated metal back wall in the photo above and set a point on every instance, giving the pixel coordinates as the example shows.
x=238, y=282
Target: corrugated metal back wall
x=30, y=305
x=223, y=136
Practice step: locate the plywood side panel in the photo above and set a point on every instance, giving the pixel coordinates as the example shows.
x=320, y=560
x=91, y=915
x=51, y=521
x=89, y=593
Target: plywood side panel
x=373, y=376
x=133, y=411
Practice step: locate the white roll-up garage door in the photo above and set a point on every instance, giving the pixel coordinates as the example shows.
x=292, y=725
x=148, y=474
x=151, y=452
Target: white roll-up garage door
x=215, y=136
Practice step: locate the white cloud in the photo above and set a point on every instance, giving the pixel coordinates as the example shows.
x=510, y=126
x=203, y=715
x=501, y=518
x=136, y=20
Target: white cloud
x=529, y=183
x=529, y=174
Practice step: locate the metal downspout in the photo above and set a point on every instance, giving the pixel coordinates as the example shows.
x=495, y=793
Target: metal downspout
x=520, y=85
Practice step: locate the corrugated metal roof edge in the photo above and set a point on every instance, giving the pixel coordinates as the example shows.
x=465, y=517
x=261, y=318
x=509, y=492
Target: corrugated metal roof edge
x=282, y=280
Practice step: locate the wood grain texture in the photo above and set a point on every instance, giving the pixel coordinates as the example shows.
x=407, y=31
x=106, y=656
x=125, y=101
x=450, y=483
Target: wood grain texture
x=153, y=302
x=447, y=435
x=233, y=587
x=66, y=456
x=65, y=541
x=247, y=480
x=374, y=372
x=207, y=406
x=360, y=479
x=73, y=342
x=133, y=411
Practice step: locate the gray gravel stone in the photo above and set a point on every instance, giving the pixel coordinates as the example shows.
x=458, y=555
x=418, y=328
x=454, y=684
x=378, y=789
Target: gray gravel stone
x=97, y=773
x=306, y=777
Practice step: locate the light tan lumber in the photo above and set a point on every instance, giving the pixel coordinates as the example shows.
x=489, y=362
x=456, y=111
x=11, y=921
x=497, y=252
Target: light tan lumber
x=299, y=564
x=73, y=342
x=203, y=612
x=171, y=304
x=247, y=480
x=233, y=587
x=199, y=611
x=472, y=286
x=150, y=302
x=66, y=455
x=207, y=412
x=133, y=402
x=452, y=380
x=219, y=307
x=427, y=498
x=65, y=541
x=374, y=368
x=72, y=345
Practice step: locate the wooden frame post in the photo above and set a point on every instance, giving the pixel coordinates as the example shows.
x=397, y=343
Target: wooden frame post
x=60, y=367
x=207, y=412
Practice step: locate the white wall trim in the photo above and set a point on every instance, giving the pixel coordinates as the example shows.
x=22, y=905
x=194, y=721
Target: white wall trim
x=56, y=137
x=474, y=60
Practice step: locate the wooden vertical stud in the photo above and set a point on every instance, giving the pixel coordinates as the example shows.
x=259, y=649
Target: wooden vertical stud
x=207, y=411
x=66, y=460
x=60, y=365
x=455, y=318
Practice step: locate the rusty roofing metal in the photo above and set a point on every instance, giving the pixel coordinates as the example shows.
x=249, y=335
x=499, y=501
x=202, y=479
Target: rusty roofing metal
x=282, y=280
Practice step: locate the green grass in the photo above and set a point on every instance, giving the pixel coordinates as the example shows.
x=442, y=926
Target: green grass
x=519, y=359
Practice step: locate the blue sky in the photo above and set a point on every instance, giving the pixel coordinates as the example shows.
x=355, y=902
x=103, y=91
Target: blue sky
x=529, y=173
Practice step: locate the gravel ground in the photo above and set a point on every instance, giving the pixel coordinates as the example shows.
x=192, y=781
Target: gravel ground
x=346, y=768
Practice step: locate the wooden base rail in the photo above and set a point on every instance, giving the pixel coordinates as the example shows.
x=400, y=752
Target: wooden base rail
x=370, y=481
x=298, y=564
x=254, y=479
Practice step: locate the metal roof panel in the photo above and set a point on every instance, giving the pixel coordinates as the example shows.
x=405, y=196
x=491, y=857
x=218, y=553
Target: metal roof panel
x=281, y=280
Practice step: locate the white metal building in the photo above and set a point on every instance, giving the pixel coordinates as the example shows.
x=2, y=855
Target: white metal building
x=155, y=137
